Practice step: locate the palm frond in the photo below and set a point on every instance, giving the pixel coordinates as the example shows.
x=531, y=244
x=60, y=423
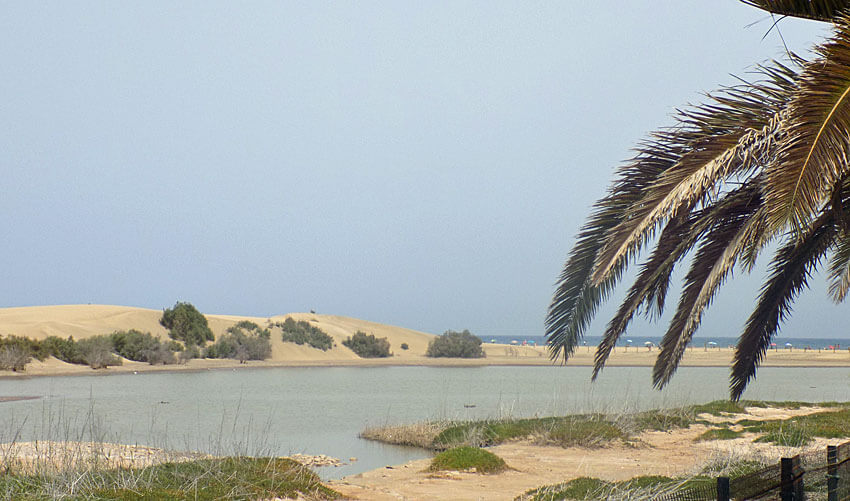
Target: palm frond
x=676, y=239
x=790, y=270
x=745, y=126
x=732, y=221
x=576, y=298
x=819, y=10
x=814, y=152
x=577, y=295
x=839, y=269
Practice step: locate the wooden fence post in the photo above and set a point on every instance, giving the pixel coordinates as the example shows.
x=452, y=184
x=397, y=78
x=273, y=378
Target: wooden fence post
x=832, y=473
x=723, y=489
x=792, y=479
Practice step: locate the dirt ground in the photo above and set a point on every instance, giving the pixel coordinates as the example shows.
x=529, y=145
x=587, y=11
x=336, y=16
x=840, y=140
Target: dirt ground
x=672, y=453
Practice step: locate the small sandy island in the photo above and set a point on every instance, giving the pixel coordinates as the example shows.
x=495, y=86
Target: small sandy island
x=81, y=321
x=673, y=453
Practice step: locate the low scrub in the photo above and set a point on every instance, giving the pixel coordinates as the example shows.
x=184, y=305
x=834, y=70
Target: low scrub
x=589, y=488
x=243, y=341
x=583, y=431
x=207, y=479
x=97, y=352
x=302, y=332
x=65, y=349
x=143, y=347
x=591, y=430
x=14, y=358
x=468, y=458
x=455, y=345
x=367, y=345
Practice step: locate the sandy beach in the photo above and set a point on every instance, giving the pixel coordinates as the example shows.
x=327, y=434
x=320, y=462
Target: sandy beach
x=81, y=321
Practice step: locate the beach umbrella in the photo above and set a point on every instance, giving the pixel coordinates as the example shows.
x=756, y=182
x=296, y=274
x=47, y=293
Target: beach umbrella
x=648, y=343
x=712, y=343
x=788, y=344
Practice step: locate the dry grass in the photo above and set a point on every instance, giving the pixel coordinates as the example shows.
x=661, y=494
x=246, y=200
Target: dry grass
x=417, y=434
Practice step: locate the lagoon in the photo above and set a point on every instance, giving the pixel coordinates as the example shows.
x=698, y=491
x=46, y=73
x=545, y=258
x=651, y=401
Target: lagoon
x=279, y=411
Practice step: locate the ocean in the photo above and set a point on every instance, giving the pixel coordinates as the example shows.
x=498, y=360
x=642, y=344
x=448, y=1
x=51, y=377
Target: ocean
x=780, y=342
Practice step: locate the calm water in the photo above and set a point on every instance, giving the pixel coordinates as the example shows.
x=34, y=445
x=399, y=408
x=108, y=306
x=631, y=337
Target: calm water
x=321, y=410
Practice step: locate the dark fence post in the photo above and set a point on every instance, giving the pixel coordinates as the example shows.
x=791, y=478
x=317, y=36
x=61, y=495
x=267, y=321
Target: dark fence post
x=832, y=473
x=723, y=489
x=792, y=479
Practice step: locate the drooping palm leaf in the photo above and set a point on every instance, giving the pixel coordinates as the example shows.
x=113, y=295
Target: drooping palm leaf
x=713, y=262
x=747, y=123
x=813, y=155
x=839, y=264
x=820, y=10
x=790, y=271
x=839, y=269
x=678, y=236
x=732, y=109
x=576, y=298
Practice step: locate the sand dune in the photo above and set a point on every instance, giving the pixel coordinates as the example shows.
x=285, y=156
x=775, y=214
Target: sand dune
x=81, y=321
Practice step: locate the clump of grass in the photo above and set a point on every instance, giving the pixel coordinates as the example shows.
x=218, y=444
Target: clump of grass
x=581, y=430
x=417, y=435
x=800, y=430
x=467, y=458
x=208, y=479
x=588, y=488
x=719, y=434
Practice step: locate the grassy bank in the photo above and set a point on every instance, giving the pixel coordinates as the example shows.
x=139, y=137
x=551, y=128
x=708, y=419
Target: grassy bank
x=588, y=430
x=207, y=479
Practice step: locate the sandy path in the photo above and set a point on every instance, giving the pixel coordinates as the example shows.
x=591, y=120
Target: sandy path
x=671, y=453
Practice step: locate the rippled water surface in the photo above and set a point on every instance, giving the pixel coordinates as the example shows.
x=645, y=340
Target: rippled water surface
x=321, y=410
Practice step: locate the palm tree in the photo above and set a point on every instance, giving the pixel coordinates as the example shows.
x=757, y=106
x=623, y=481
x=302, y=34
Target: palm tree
x=763, y=160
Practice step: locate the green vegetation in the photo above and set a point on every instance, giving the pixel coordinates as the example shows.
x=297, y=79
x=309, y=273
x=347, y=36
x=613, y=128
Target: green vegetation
x=97, y=352
x=404, y=346
x=584, y=430
x=720, y=434
x=589, y=430
x=588, y=488
x=367, y=345
x=243, y=341
x=455, y=345
x=467, y=458
x=143, y=347
x=208, y=479
x=302, y=332
x=185, y=323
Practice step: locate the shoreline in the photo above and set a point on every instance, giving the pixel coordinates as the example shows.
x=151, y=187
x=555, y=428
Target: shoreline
x=520, y=357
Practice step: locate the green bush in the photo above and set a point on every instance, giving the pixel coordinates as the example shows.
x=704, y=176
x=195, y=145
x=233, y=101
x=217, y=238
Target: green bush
x=185, y=323
x=63, y=349
x=30, y=347
x=456, y=345
x=133, y=344
x=302, y=332
x=97, y=352
x=367, y=345
x=466, y=458
x=243, y=341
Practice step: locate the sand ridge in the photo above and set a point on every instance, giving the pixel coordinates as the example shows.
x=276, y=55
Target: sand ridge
x=81, y=321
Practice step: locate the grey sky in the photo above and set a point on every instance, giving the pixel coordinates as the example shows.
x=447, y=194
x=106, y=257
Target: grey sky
x=420, y=164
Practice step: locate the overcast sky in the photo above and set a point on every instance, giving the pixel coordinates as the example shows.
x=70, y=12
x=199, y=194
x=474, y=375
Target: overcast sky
x=423, y=164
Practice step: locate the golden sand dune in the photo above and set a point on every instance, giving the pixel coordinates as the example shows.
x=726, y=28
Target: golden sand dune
x=81, y=321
